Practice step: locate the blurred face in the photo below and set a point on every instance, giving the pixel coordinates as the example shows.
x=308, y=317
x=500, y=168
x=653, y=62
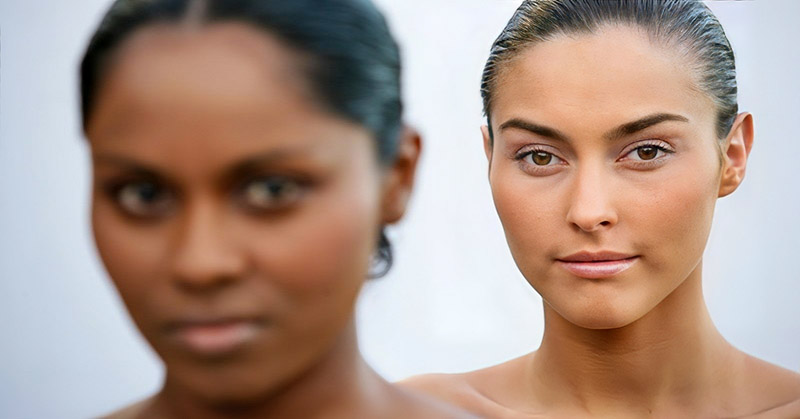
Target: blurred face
x=236, y=218
x=605, y=170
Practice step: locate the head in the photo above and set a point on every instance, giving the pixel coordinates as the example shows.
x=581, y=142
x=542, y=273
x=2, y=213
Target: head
x=613, y=128
x=246, y=156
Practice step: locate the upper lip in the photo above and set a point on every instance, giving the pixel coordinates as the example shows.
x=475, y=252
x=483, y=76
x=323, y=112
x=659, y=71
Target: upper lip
x=601, y=256
x=201, y=321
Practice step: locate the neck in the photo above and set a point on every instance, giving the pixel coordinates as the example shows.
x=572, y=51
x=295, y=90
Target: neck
x=671, y=356
x=341, y=384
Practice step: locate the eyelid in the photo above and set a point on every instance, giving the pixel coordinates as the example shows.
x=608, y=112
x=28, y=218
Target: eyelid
x=302, y=184
x=653, y=142
x=537, y=148
x=162, y=206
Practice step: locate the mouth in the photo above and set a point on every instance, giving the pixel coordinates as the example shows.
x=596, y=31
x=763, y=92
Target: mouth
x=596, y=265
x=215, y=337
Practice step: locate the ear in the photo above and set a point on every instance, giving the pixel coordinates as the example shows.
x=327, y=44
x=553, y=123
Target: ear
x=399, y=178
x=735, y=151
x=487, y=144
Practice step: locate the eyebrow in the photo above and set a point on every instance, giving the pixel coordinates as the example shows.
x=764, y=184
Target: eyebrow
x=535, y=128
x=642, y=124
x=258, y=161
x=127, y=164
x=623, y=130
x=238, y=169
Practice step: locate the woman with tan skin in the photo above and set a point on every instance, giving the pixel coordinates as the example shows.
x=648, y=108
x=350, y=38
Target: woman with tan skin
x=246, y=155
x=613, y=128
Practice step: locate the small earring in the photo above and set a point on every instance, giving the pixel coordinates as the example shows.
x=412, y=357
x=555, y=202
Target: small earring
x=383, y=258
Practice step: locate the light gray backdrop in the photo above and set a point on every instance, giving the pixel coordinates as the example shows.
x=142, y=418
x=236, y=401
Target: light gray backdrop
x=454, y=301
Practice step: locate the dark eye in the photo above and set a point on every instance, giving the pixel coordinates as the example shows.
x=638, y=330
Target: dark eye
x=541, y=158
x=143, y=199
x=272, y=193
x=647, y=152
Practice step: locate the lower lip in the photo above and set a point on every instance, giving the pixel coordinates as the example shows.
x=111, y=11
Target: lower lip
x=216, y=339
x=600, y=269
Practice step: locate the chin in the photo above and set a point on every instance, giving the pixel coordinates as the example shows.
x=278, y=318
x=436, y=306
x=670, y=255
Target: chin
x=225, y=395
x=601, y=322
x=599, y=315
x=225, y=385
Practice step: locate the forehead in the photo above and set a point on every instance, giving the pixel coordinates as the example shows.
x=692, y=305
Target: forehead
x=615, y=74
x=217, y=69
x=227, y=88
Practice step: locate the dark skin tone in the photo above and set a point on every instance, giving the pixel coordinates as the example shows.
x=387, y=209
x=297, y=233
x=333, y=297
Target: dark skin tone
x=238, y=218
x=605, y=169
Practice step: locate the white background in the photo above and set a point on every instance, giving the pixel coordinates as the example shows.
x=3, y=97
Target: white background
x=454, y=300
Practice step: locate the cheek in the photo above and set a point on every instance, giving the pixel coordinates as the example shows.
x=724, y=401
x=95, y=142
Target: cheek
x=673, y=219
x=133, y=257
x=325, y=248
x=129, y=253
x=529, y=211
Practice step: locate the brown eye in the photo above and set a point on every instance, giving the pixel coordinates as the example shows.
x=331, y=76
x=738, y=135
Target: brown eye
x=647, y=152
x=538, y=160
x=541, y=158
x=272, y=193
x=143, y=199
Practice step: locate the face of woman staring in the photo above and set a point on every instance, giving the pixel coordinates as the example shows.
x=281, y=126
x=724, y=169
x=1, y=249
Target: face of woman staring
x=236, y=217
x=604, y=150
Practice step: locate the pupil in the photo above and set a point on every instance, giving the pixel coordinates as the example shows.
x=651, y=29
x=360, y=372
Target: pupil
x=647, y=153
x=275, y=188
x=148, y=192
x=542, y=159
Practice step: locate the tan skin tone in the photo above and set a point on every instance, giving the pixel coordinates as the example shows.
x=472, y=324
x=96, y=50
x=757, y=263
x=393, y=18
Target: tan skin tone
x=237, y=218
x=583, y=160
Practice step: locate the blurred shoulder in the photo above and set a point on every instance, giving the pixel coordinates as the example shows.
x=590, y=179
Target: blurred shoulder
x=133, y=411
x=429, y=406
x=477, y=391
x=450, y=387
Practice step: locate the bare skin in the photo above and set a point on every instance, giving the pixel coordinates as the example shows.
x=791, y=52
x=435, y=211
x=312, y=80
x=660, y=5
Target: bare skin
x=237, y=219
x=602, y=143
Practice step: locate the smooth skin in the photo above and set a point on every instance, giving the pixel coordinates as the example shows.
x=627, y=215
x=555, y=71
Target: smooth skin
x=603, y=142
x=237, y=218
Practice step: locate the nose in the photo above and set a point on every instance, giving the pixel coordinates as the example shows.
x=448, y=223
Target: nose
x=205, y=256
x=591, y=206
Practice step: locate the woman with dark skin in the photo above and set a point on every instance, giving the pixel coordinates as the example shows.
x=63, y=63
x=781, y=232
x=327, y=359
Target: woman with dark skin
x=613, y=128
x=246, y=155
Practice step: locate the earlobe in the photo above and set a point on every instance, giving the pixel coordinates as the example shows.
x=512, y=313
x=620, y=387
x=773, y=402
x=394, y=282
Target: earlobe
x=735, y=152
x=399, y=180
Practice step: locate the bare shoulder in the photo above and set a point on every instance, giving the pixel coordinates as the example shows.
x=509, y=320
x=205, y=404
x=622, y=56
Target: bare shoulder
x=772, y=378
x=774, y=391
x=786, y=410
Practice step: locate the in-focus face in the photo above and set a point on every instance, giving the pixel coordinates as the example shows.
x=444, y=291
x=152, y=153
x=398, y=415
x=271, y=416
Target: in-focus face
x=236, y=218
x=605, y=170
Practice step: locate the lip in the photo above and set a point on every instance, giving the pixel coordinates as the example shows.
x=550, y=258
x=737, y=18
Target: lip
x=595, y=265
x=215, y=337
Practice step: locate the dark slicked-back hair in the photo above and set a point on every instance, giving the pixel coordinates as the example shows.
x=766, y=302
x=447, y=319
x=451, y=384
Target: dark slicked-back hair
x=687, y=26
